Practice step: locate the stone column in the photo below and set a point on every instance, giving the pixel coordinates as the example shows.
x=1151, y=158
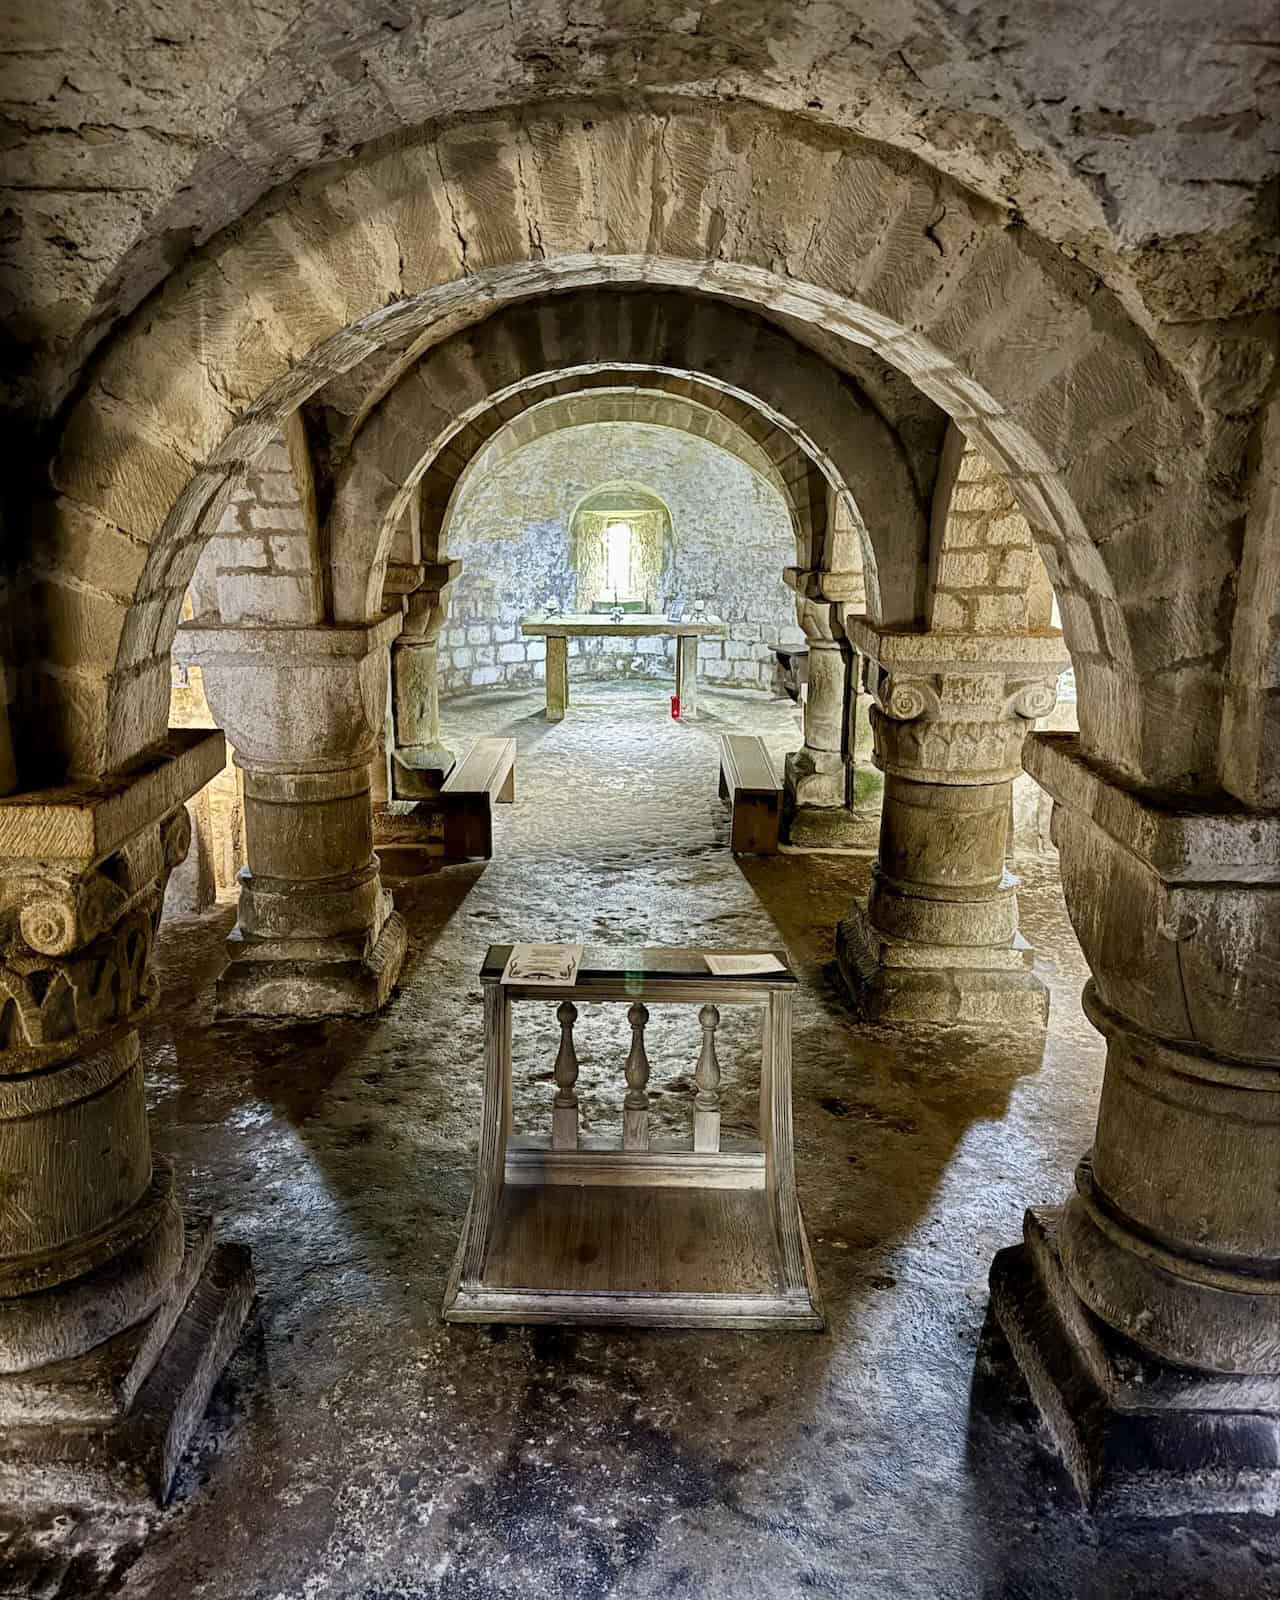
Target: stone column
x=420, y=763
x=819, y=777
x=937, y=940
x=1146, y=1311
x=317, y=935
x=116, y=1315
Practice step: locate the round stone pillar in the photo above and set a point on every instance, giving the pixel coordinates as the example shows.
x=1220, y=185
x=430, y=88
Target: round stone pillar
x=937, y=938
x=819, y=777
x=93, y=1243
x=420, y=762
x=316, y=935
x=1146, y=1310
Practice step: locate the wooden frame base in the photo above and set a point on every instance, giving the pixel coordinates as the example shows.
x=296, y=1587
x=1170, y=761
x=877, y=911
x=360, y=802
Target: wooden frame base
x=664, y=1238
x=653, y=1234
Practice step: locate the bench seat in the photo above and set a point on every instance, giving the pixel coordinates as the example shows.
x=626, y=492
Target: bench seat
x=486, y=775
x=750, y=784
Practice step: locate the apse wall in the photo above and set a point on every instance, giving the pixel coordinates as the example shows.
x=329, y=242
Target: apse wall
x=731, y=539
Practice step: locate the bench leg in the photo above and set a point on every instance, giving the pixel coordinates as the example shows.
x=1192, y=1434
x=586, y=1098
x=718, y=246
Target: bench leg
x=557, y=678
x=754, y=828
x=507, y=793
x=468, y=829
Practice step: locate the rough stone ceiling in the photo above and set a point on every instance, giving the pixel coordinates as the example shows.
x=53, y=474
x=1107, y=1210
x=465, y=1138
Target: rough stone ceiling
x=1143, y=140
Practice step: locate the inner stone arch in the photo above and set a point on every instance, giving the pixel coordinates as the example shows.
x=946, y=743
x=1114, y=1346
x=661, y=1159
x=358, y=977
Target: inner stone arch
x=529, y=524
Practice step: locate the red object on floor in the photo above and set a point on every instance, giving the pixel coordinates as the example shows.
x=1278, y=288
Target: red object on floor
x=675, y=705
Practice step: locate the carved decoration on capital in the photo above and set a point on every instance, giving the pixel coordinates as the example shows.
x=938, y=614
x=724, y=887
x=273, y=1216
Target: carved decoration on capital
x=1032, y=700
x=821, y=620
x=427, y=608
x=953, y=727
x=76, y=943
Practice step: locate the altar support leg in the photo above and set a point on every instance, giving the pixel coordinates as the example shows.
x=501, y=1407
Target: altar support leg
x=557, y=677
x=687, y=675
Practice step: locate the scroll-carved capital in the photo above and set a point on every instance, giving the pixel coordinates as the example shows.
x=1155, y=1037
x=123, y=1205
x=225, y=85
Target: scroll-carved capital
x=906, y=699
x=955, y=708
x=58, y=913
x=1034, y=699
x=76, y=941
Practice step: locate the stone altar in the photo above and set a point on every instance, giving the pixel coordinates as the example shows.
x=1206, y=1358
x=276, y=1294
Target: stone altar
x=557, y=631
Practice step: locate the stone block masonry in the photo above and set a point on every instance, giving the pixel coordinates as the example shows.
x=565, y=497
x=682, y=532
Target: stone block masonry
x=731, y=539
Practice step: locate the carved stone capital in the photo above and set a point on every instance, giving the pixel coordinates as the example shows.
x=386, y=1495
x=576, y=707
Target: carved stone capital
x=427, y=607
x=1183, y=943
x=81, y=885
x=819, y=614
x=307, y=699
x=955, y=708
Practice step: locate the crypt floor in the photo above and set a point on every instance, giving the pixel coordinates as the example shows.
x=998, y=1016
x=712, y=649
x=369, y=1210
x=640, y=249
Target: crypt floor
x=359, y=1448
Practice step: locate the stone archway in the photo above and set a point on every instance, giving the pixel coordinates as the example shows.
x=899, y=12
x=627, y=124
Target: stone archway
x=1017, y=366
x=817, y=428
x=1171, y=1241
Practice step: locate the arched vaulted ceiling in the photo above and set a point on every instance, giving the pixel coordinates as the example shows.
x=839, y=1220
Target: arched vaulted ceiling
x=1103, y=441
x=816, y=426
x=1142, y=149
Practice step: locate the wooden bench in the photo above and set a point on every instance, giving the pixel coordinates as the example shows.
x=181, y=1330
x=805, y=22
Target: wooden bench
x=487, y=773
x=751, y=785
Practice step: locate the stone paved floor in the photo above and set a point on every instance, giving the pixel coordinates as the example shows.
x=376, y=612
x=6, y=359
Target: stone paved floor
x=358, y=1448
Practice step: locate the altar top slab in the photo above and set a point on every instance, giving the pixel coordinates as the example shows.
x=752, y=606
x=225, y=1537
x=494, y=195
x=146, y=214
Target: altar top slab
x=635, y=624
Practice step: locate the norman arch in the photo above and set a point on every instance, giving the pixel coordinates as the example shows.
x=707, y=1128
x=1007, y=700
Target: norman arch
x=994, y=326
x=444, y=253
x=814, y=425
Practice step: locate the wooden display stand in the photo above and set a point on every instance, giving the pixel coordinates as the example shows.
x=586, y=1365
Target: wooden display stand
x=657, y=1235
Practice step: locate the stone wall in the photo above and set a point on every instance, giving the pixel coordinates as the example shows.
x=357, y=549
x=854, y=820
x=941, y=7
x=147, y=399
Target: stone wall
x=217, y=852
x=986, y=576
x=510, y=527
x=261, y=565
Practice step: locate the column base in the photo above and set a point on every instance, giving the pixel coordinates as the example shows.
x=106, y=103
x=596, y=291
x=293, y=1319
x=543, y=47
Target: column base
x=419, y=772
x=903, y=980
x=408, y=837
x=109, y=1428
x=831, y=828
x=1139, y=1438
x=306, y=979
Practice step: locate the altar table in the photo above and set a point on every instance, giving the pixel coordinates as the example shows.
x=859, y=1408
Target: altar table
x=558, y=630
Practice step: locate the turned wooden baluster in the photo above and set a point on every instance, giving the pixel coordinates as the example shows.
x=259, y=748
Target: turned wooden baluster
x=564, y=1110
x=635, y=1108
x=706, y=1103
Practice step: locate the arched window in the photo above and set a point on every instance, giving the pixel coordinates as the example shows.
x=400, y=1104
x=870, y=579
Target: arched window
x=618, y=560
x=620, y=547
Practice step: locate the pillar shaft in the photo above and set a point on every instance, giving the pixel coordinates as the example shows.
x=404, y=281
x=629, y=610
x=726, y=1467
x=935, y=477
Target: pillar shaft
x=316, y=934
x=1171, y=1235
x=420, y=763
x=819, y=777
x=937, y=938
x=93, y=1243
